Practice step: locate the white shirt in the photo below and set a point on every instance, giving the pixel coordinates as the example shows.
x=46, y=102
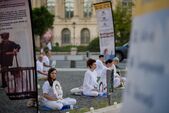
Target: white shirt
x=46, y=88
x=115, y=71
x=99, y=67
x=103, y=77
x=46, y=61
x=39, y=66
x=49, y=45
x=90, y=80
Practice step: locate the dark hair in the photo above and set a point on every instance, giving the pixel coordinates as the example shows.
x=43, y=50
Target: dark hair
x=90, y=62
x=100, y=56
x=4, y=35
x=108, y=61
x=49, y=77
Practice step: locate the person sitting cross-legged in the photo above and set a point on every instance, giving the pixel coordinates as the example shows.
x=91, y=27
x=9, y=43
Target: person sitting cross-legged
x=90, y=85
x=118, y=80
x=53, y=94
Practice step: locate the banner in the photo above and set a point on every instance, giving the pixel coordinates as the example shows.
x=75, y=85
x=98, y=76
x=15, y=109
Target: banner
x=106, y=30
x=148, y=63
x=16, y=47
x=15, y=20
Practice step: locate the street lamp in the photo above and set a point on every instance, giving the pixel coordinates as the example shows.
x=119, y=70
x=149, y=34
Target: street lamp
x=74, y=26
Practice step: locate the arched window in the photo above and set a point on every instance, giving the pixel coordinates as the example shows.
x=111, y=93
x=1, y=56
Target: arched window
x=69, y=8
x=66, y=36
x=85, y=36
x=87, y=8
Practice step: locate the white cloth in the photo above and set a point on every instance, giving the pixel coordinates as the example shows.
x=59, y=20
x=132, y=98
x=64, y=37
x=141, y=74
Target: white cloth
x=58, y=93
x=46, y=61
x=39, y=67
x=77, y=91
x=49, y=45
x=99, y=67
x=90, y=83
x=103, y=80
x=117, y=78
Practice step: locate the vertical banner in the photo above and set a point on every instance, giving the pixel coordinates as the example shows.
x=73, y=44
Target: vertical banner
x=16, y=49
x=147, y=89
x=106, y=30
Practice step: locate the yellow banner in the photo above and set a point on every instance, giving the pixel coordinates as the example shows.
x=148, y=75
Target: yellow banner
x=102, y=5
x=148, y=6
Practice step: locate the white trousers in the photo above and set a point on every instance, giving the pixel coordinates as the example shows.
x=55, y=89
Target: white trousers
x=77, y=90
x=60, y=103
x=91, y=93
x=41, y=76
x=118, y=81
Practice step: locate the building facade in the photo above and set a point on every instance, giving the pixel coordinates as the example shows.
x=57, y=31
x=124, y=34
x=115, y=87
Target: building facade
x=75, y=20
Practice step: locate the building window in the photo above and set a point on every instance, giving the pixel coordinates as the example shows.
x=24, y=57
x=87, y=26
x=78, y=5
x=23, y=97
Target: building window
x=51, y=6
x=69, y=8
x=66, y=36
x=85, y=36
x=87, y=8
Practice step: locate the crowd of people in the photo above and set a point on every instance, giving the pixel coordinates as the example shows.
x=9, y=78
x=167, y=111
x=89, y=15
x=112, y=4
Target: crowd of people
x=94, y=83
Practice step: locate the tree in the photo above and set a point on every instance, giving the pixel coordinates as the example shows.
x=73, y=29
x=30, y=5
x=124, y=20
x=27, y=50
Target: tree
x=42, y=21
x=94, y=45
x=122, y=22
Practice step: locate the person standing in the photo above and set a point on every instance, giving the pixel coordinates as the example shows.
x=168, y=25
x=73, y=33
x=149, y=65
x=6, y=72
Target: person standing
x=8, y=49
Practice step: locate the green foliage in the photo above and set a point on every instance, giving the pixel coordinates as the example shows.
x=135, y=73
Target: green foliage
x=42, y=20
x=62, y=49
x=68, y=48
x=122, y=22
x=81, y=48
x=94, y=45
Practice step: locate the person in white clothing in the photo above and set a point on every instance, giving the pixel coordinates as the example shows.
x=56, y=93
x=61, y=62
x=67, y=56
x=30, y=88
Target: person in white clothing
x=118, y=80
x=103, y=78
x=46, y=61
x=53, y=94
x=39, y=67
x=100, y=65
x=90, y=85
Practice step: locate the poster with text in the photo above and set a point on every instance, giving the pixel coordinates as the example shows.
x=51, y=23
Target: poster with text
x=17, y=67
x=106, y=30
x=147, y=88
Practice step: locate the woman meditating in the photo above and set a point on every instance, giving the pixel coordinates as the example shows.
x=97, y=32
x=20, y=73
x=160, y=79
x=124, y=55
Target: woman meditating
x=53, y=94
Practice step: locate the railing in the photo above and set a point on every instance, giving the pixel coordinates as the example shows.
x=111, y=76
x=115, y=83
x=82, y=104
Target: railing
x=21, y=82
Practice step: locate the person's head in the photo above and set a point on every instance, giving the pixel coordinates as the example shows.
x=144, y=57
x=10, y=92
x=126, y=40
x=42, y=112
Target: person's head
x=115, y=60
x=91, y=63
x=101, y=57
x=47, y=53
x=40, y=58
x=105, y=51
x=4, y=36
x=109, y=63
x=52, y=75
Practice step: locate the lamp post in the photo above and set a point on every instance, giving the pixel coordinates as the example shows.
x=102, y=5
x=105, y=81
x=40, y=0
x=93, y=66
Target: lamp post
x=74, y=26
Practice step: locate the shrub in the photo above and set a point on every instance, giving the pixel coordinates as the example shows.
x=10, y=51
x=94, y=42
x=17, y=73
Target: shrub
x=81, y=48
x=94, y=45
